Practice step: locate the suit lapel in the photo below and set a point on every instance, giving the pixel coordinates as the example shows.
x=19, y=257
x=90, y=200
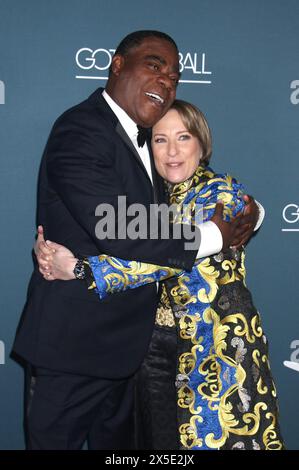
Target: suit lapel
x=124, y=136
x=102, y=103
x=126, y=139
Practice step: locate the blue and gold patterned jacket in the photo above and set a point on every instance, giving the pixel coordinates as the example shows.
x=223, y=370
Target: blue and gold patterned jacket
x=115, y=275
x=225, y=394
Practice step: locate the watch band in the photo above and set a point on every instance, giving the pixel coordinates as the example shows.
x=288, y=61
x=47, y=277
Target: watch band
x=79, y=270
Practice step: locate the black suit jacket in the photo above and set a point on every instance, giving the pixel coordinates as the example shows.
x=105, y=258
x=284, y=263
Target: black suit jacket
x=89, y=160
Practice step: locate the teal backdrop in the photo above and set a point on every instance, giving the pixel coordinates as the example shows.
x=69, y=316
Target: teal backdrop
x=239, y=61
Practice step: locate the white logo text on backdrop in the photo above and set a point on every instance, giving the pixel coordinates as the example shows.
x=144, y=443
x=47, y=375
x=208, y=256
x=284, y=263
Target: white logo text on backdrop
x=290, y=216
x=192, y=65
x=2, y=92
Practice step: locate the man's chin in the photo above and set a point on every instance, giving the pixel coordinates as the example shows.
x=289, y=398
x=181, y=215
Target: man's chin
x=152, y=117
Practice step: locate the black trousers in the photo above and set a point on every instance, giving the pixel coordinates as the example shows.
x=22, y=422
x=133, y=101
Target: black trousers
x=156, y=395
x=65, y=410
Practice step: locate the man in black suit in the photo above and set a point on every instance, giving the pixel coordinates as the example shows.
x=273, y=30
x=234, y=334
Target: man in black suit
x=83, y=353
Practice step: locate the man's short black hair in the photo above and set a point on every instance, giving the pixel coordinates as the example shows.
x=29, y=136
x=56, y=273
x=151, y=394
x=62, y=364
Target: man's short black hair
x=135, y=39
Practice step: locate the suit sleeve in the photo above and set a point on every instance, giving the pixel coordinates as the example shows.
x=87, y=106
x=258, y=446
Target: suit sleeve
x=81, y=169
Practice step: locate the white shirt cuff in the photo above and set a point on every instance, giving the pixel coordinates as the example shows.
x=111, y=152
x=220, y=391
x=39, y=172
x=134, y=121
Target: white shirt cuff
x=261, y=215
x=211, y=240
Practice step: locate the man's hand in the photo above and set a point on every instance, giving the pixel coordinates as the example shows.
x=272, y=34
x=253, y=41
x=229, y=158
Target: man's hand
x=248, y=222
x=238, y=231
x=55, y=261
x=228, y=229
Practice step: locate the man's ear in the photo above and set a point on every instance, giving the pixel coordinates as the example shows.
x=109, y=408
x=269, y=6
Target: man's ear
x=117, y=64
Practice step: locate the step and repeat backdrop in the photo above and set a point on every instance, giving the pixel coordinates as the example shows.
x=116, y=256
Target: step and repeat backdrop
x=240, y=64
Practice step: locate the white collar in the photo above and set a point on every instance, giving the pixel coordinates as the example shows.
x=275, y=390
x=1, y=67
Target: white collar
x=127, y=123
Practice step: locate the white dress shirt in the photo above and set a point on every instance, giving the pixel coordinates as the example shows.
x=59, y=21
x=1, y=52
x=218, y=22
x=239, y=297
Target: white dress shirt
x=211, y=238
x=131, y=129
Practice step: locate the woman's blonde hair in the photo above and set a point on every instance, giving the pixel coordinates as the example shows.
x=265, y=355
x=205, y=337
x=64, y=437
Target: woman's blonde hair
x=195, y=123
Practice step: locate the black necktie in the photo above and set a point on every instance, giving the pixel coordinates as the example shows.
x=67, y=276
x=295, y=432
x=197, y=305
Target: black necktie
x=142, y=135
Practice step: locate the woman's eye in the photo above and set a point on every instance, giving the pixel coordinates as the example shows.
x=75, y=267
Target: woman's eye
x=184, y=137
x=159, y=140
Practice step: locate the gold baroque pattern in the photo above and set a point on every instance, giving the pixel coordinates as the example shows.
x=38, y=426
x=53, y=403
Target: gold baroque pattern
x=226, y=396
x=232, y=370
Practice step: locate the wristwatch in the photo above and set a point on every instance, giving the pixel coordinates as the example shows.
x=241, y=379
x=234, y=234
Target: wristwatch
x=79, y=270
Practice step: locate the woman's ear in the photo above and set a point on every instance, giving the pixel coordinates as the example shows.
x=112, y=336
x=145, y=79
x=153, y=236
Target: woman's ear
x=117, y=64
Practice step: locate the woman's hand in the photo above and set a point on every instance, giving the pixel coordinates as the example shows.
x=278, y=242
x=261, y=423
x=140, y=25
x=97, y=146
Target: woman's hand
x=55, y=261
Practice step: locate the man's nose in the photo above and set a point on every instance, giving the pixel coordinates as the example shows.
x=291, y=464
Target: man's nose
x=166, y=81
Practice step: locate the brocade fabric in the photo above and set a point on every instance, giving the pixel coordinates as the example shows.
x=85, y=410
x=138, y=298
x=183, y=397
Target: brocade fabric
x=225, y=395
